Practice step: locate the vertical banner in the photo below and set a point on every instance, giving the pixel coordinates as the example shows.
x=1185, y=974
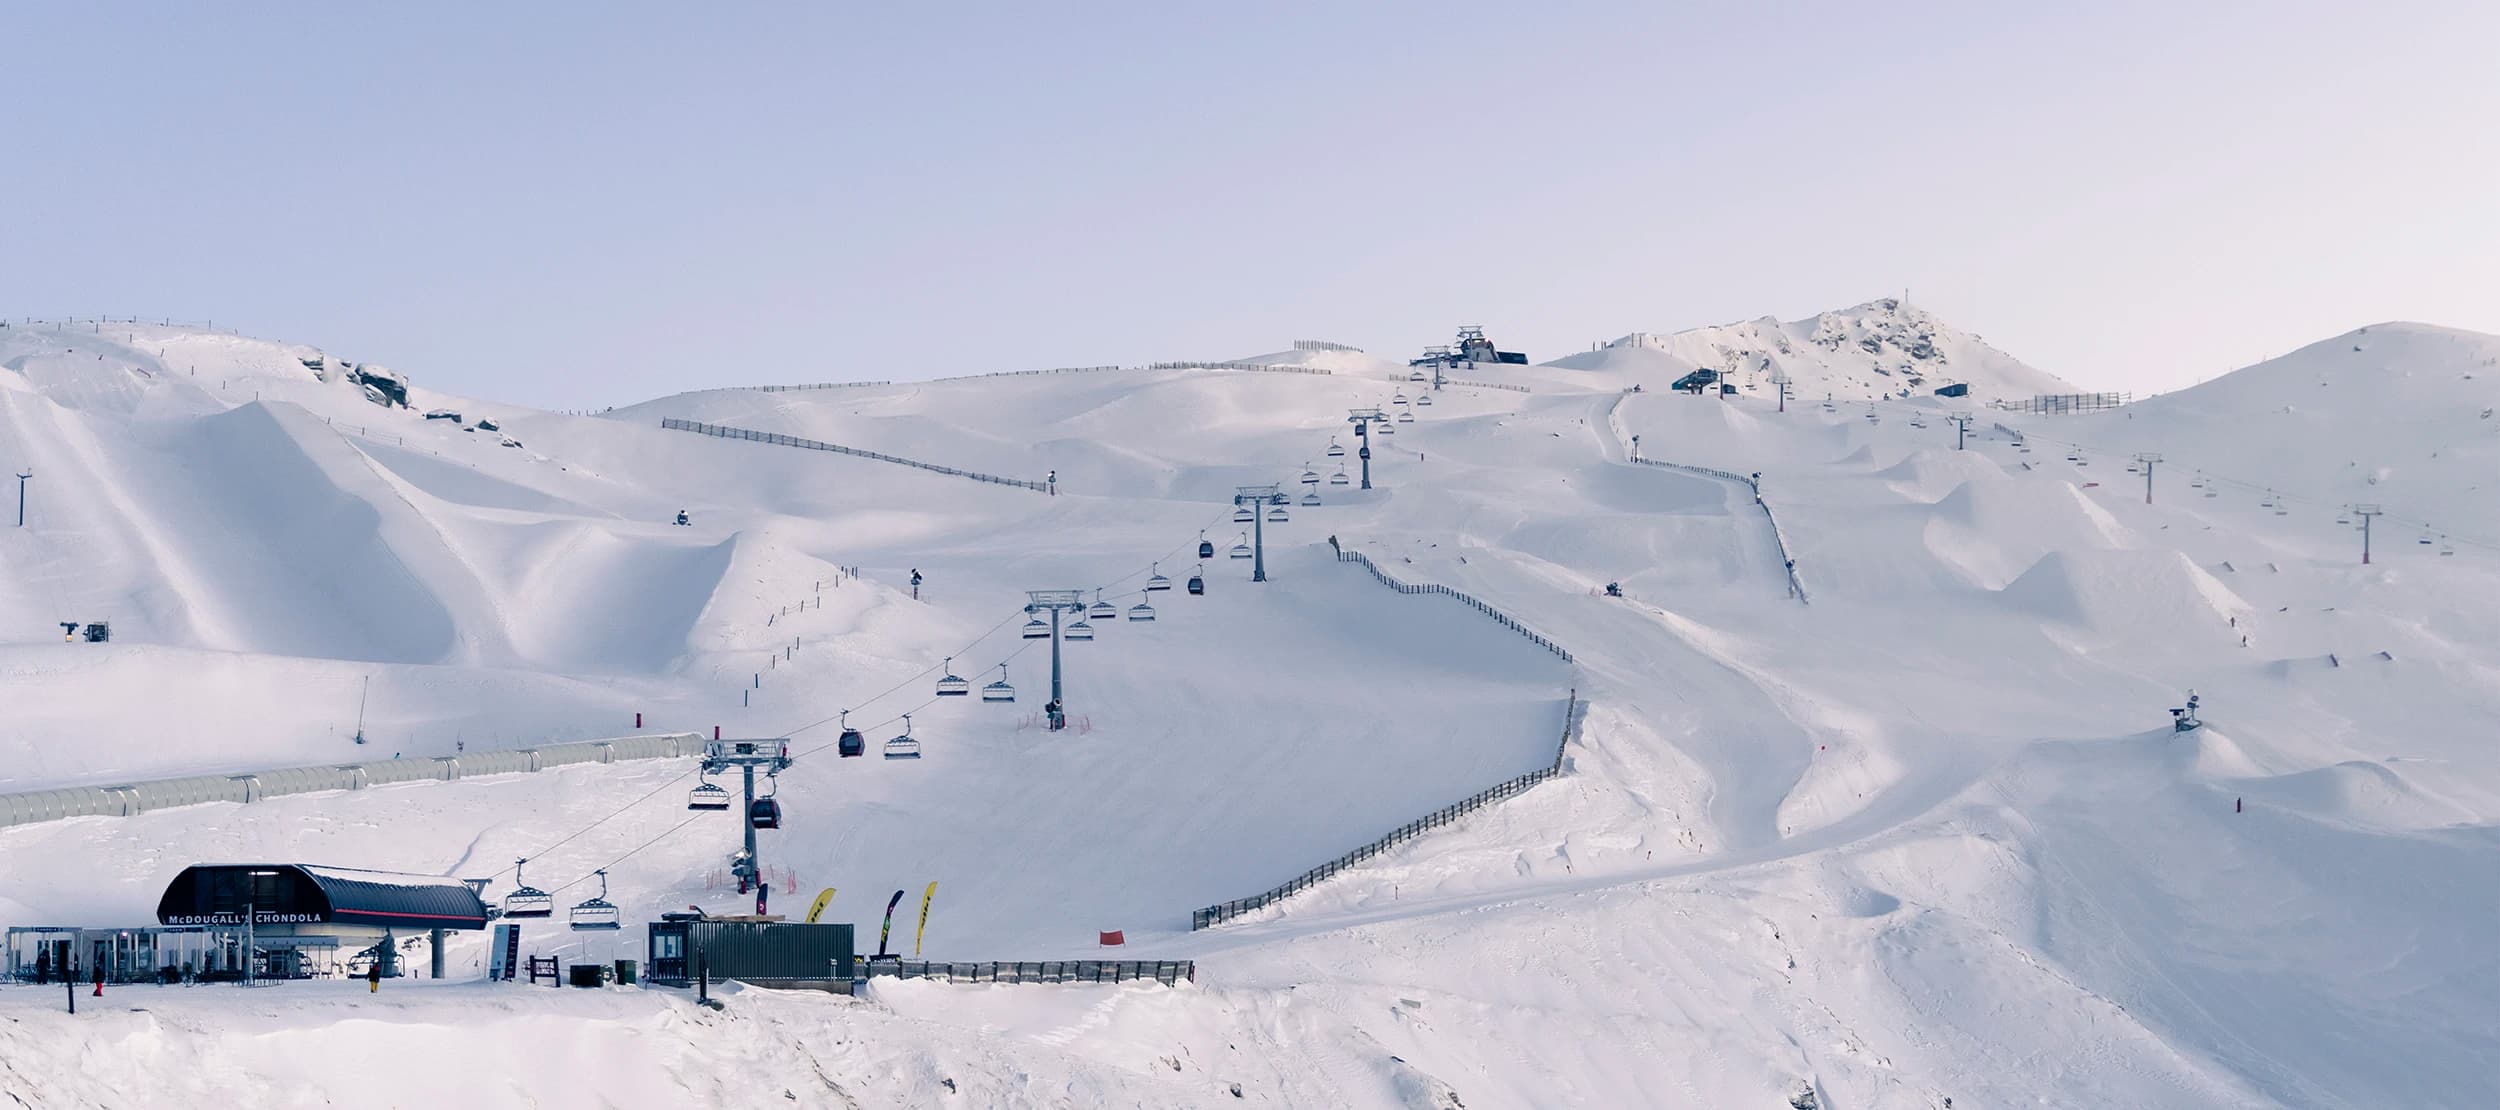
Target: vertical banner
x=887, y=931
x=818, y=910
x=924, y=920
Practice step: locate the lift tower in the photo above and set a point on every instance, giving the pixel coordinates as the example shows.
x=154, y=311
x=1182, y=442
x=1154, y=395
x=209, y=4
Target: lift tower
x=747, y=755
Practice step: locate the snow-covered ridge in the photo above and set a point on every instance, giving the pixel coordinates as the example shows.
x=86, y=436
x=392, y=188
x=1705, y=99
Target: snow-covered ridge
x=1877, y=349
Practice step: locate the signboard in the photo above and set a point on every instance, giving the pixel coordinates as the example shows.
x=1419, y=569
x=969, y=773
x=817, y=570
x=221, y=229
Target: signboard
x=259, y=917
x=503, y=957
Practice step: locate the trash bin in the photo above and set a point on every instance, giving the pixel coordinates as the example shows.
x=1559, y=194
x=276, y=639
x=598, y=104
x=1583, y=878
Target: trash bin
x=589, y=975
x=625, y=973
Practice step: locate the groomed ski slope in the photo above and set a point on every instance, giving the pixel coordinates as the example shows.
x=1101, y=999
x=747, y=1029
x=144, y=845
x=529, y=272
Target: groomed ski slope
x=1926, y=837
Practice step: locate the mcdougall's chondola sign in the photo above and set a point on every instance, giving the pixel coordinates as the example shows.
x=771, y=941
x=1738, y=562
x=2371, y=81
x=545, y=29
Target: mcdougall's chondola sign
x=259, y=917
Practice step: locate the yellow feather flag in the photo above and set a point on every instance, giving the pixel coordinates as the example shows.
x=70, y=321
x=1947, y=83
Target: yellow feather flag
x=924, y=919
x=818, y=910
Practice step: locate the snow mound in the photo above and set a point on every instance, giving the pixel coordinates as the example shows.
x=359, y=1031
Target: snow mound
x=2146, y=597
x=1994, y=528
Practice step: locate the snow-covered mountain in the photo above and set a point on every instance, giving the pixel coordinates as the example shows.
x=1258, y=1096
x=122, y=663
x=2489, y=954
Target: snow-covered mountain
x=1877, y=349
x=1924, y=835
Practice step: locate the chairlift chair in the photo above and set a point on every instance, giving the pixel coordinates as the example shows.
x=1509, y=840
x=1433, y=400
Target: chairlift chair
x=1037, y=629
x=1198, y=581
x=1310, y=477
x=526, y=900
x=1387, y=429
x=1339, y=478
x=951, y=686
x=707, y=797
x=904, y=746
x=1416, y=376
x=1243, y=514
x=1425, y=399
x=1277, y=515
x=1205, y=550
x=1141, y=612
x=1398, y=398
x=1335, y=451
x=1241, y=550
x=1158, y=581
x=597, y=913
x=1311, y=499
x=999, y=690
x=1102, y=610
x=1406, y=418
x=2446, y=548
x=852, y=743
x=1078, y=632
x=2426, y=539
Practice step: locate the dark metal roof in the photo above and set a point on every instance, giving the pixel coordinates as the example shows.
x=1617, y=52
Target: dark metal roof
x=208, y=894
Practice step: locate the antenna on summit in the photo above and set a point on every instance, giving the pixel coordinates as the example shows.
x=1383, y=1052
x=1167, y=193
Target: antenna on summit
x=360, y=708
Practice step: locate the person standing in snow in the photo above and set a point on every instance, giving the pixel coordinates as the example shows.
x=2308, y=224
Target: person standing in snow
x=43, y=966
x=373, y=978
x=99, y=978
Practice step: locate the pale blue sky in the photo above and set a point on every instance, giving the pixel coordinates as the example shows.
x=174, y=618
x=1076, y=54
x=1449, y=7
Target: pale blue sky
x=590, y=204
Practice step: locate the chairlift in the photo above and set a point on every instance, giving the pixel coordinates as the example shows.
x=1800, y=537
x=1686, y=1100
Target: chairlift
x=1416, y=376
x=765, y=813
x=707, y=797
x=1399, y=398
x=2343, y=518
x=1335, y=451
x=1205, y=550
x=952, y=686
x=1276, y=515
x=2212, y=492
x=1078, y=632
x=1036, y=629
x=526, y=900
x=2426, y=539
x=597, y=913
x=1198, y=581
x=852, y=743
x=2266, y=502
x=1141, y=612
x=1406, y=418
x=904, y=746
x=1310, y=477
x=1425, y=399
x=999, y=690
x=1244, y=514
x=1158, y=582
x=1102, y=610
x=2446, y=548
x=1310, y=500
x=1339, y=478
x=1241, y=550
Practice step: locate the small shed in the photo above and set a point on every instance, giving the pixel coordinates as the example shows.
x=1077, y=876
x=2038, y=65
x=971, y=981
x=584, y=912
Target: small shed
x=1957, y=389
x=683, y=947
